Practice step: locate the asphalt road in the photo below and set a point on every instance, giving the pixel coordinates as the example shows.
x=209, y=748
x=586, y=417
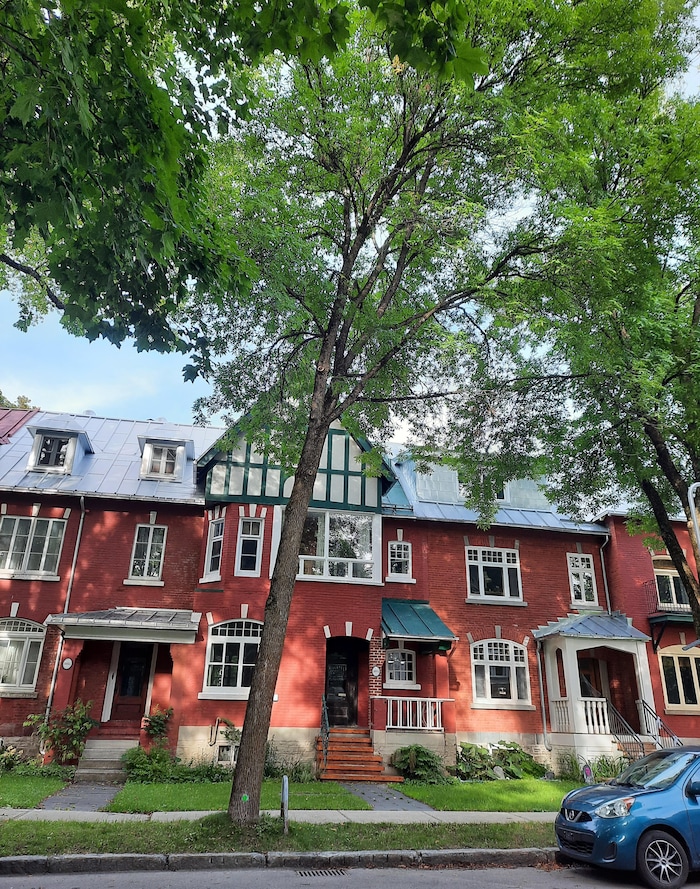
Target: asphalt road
x=351, y=878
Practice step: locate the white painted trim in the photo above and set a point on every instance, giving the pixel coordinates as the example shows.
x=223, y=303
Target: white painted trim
x=111, y=683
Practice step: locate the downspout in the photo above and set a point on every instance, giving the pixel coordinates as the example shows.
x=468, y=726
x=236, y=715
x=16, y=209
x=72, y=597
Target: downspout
x=545, y=735
x=66, y=605
x=605, y=575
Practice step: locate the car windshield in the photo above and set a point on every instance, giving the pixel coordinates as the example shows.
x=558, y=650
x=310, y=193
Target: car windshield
x=656, y=771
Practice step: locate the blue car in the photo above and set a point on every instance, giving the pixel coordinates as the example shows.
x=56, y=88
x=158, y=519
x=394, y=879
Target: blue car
x=647, y=819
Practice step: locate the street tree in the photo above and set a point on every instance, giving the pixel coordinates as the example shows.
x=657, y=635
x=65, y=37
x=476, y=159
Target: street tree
x=375, y=202
x=593, y=381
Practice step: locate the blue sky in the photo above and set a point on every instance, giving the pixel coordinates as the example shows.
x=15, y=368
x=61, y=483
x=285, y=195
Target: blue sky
x=60, y=372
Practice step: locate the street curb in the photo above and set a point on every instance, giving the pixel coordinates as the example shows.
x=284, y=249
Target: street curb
x=33, y=865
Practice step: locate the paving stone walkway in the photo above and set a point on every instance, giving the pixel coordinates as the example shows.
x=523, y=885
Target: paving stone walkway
x=82, y=797
x=386, y=798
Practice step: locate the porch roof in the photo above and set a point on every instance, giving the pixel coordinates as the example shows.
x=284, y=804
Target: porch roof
x=412, y=619
x=130, y=624
x=592, y=626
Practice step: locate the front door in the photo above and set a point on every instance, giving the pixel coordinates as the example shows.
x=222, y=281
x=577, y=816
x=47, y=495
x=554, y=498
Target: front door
x=341, y=681
x=131, y=687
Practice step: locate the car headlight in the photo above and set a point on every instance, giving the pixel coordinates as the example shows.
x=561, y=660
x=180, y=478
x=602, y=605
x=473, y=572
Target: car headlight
x=616, y=808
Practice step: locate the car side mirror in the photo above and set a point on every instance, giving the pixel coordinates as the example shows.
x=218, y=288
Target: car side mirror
x=693, y=788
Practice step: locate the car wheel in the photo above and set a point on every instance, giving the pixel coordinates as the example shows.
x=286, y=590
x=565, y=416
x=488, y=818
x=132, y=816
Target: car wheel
x=662, y=862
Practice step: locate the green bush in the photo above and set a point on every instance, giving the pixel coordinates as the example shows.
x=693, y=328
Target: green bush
x=10, y=757
x=158, y=765
x=417, y=763
x=570, y=766
x=64, y=733
x=475, y=763
x=297, y=770
x=156, y=724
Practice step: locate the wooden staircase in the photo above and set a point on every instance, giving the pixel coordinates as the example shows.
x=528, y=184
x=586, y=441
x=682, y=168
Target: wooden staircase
x=351, y=757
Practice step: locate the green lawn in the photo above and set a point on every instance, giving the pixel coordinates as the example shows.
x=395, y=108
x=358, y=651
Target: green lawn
x=215, y=797
x=217, y=834
x=524, y=795
x=22, y=792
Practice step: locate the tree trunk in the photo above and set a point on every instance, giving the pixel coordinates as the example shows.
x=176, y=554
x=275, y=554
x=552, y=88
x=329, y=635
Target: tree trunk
x=244, y=805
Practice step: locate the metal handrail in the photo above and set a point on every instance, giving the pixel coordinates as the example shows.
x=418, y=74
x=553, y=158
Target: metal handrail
x=657, y=728
x=325, y=729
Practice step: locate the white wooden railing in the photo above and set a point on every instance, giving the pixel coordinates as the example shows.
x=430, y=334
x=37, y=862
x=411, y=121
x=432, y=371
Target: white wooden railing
x=414, y=714
x=560, y=715
x=596, y=714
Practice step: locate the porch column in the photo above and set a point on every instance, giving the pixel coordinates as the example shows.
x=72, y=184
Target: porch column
x=573, y=686
x=67, y=677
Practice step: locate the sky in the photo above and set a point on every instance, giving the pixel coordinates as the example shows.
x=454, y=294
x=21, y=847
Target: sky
x=60, y=372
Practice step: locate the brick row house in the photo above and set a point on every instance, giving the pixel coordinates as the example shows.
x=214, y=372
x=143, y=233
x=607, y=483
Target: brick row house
x=135, y=559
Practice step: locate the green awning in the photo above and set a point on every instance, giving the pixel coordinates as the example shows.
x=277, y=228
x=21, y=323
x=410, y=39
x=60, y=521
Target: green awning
x=415, y=620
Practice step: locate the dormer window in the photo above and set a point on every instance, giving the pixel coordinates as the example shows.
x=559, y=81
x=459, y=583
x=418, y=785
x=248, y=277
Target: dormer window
x=53, y=452
x=163, y=460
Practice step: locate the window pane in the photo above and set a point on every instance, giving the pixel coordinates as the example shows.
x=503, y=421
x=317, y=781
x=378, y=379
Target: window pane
x=474, y=580
x=19, y=544
x=32, y=662
x=480, y=681
x=350, y=537
x=493, y=580
x=500, y=682
x=312, y=539
x=513, y=585
x=663, y=585
x=249, y=554
x=10, y=654
x=671, y=680
x=689, y=693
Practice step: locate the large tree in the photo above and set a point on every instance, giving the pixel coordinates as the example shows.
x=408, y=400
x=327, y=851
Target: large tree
x=105, y=109
x=377, y=205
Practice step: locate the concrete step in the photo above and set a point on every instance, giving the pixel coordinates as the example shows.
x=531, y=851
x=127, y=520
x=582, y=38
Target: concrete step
x=99, y=776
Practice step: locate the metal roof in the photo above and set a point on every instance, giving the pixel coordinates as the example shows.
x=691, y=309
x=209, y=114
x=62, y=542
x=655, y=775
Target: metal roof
x=11, y=420
x=592, y=626
x=130, y=624
x=412, y=619
x=109, y=464
x=448, y=506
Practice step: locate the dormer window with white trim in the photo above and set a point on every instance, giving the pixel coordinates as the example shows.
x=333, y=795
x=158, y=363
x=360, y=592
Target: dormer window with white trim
x=53, y=452
x=163, y=461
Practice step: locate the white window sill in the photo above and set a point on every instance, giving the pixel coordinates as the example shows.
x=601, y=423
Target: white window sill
x=498, y=705
x=227, y=694
x=495, y=600
x=247, y=573
x=406, y=686
x=143, y=581
x=399, y=578
x=210, y=578
x=17, y=693
x=682, y=709
x=160, y=478
x=29, y=575
x=319, y=578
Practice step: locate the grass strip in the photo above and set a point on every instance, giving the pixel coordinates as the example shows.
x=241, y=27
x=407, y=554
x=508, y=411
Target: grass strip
x=25, y=792
x=216, y=833
x=520, y=795
x=215, y=797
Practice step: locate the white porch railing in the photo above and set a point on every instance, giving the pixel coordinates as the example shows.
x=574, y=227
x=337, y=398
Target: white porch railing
x=596, y=715
x=590, y=715
x=414, y=714
x=560, y=715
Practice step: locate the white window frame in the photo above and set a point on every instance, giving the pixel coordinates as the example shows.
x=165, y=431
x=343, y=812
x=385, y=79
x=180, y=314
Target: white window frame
x=231, y=633
x=487, y=657
x=26, y=658
x=580, y=567
x=394, y=556
x=64, y=467
x=406, y=659
x=150, y=454
x=212, y=551
x=337, y=568
x=151, y=546
x=55, y=530
x=686, y=664
x=485, y=558
x=678, y=592
x=245, y=537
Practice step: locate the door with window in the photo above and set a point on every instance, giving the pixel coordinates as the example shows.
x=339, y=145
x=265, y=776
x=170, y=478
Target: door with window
x=133, y=674
x=341, y=681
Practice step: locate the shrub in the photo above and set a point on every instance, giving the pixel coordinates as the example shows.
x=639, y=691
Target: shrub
x=158, y=765
x=475, y=763
x=156, y=724
x=64, y=733
x=10, y=757
x=570, y=766
x=419, y=764
x=297, y=770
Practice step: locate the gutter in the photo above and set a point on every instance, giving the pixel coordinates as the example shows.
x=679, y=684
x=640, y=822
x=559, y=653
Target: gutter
x=605, y=574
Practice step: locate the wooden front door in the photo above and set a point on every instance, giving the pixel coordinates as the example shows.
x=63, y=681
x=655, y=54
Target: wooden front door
x=131, y=687
x=341, y=681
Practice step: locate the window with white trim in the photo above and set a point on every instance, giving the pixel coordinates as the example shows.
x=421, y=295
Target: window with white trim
x=400, y=560
x=582, y=579
x=672, y=595
x=21, y=642
x=400, y=668
x=215, y=543
x=163, y=461
x=30, y=546
x=680, y=672
x=148, y=552
x=53, y=452
x=232, y=653
x=500, y=673
x=249, y=547
x=339, y=546
x=493, y=574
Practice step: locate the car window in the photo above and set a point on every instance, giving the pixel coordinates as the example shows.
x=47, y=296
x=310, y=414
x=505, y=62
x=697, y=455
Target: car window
x=656, y=771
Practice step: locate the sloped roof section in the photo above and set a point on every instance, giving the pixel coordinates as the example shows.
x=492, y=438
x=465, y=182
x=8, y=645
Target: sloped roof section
x=130, y=624
x=411, y=619
x=12, y=420
x=592, y=626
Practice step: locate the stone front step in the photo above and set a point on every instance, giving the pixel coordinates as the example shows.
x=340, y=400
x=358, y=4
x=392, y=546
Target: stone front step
x=101, y=761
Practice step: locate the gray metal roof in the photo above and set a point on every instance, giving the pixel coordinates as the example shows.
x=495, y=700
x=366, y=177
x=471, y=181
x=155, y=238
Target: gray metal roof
x=441, y=501
x=109, y=462
x=135, y=624
x=592, y=626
